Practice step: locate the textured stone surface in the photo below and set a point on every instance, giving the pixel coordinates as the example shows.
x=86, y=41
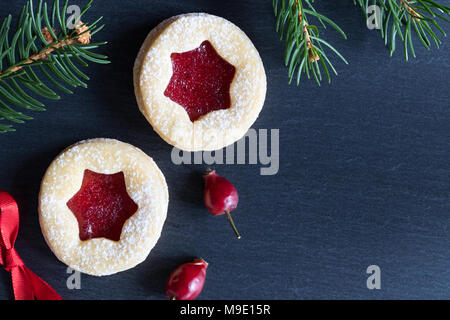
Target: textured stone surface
x=364, y=169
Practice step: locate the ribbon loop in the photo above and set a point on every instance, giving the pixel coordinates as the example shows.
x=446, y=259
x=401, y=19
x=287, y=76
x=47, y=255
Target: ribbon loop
x=26, y=284
x=12, y=259
x=9, y=220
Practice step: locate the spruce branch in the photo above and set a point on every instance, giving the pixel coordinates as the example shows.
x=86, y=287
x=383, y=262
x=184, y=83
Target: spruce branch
x=304, y=48
x=42, y=41
x=399, y=18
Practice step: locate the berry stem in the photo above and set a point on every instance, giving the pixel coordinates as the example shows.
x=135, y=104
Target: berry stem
x=232, y=224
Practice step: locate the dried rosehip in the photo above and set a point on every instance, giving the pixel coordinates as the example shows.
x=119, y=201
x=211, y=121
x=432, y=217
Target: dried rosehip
x=186, y=282
x=220, y=197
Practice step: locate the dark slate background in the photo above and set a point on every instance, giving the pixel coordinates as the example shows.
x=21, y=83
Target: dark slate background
x=364, y=169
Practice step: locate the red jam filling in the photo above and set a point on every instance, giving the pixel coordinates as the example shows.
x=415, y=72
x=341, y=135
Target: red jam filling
x=102, y=205
x=200, y=81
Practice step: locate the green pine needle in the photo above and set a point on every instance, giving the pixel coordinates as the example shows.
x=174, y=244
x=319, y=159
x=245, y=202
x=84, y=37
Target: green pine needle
x=304, y=49
x=399, y=18
x=41, y=40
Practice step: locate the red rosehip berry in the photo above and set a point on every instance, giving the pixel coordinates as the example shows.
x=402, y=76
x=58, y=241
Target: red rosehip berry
x=186, y=282
x=220, y=197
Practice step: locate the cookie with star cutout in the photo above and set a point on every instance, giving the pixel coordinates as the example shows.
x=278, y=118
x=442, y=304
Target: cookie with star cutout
x=199, y=81
x=102, y=206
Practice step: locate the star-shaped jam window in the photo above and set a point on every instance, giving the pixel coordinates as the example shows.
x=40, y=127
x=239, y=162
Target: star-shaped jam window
x=102, y=205
x=200, y=81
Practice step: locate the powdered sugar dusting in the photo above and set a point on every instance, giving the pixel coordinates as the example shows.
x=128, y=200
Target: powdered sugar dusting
x=145, y=185
x=153, y=70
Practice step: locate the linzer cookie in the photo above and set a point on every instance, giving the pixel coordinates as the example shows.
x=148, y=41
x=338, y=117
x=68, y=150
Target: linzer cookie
x=102, y=206
x=199, y=81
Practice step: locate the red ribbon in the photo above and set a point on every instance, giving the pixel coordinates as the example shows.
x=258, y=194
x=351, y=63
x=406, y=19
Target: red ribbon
x=26, y=285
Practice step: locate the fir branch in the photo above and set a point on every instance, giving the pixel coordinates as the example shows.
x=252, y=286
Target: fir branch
x=42, y=41
x=399, y=18
x=304, y=49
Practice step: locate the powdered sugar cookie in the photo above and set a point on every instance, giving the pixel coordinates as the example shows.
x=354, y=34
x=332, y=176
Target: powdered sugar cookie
x=102, y=206
x=199, y=81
